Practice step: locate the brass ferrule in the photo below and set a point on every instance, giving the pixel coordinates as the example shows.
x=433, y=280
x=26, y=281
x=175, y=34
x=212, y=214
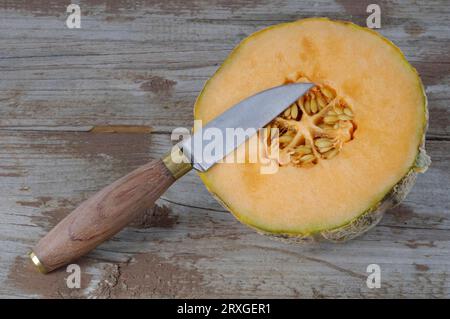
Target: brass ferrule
x=176, y=162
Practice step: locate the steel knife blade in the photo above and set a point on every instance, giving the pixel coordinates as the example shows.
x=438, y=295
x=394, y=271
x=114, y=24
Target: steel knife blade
x=249, y=115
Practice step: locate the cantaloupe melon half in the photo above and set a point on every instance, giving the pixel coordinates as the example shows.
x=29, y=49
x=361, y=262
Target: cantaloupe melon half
x=336, y=198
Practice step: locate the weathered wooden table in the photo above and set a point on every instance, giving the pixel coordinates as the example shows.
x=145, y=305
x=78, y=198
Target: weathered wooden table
x=81, y=107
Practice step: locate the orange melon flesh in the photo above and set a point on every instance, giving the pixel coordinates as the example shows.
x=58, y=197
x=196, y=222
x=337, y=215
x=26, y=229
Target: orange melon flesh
x=388, y=102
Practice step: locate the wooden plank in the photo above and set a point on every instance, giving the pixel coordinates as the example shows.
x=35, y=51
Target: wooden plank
x=144, y=64
x=193, y=247
x=140, y=65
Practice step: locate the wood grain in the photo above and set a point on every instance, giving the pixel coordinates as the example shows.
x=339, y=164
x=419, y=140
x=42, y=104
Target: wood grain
x=140, y=65
x=103, y=215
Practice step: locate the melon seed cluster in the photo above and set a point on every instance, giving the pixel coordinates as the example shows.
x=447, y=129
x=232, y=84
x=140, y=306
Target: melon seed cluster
x=312, y=129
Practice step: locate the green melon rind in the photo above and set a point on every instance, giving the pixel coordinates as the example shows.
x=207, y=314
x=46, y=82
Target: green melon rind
x=371, y=216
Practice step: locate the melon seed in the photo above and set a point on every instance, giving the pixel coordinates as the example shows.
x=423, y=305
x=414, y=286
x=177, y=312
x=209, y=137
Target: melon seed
x=307, y=158
x=287, y=112
x=344, y=117
x=314, y=108
x=330, y=119
x=294, y=111
x=348, y=112
x=327, y=93
x=338, y=110
x=320, y=100
x=285, y=139
x=304, y=149
x=307, y=106
x=323, y=142
x=325, y=149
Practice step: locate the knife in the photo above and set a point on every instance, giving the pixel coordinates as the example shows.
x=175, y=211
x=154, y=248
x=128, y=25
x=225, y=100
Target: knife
x=111, y=209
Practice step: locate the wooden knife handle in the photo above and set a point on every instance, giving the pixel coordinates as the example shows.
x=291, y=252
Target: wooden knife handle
x=105, y=213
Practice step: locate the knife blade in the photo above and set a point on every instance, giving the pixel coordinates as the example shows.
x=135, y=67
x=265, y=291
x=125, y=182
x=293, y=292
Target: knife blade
x=112, y=208
x=248, y=115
